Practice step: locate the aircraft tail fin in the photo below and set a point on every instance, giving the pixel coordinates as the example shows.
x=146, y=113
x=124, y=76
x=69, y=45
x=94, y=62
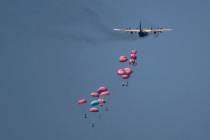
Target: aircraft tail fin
x=140, y=28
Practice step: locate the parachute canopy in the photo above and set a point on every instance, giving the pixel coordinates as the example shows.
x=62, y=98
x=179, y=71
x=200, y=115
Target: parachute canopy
x=123, y=58
x=102, y=89
x=82, y=101
x=124, y=72
x=94, y=94
x=104, y=93
x=120, y=71
x=125, y=76
x=128, y=70
x=93, y=109
x=94, y=102
x=133, y=56
x=101, y=101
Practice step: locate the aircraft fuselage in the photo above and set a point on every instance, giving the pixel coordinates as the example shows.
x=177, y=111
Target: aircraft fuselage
x=143, y=34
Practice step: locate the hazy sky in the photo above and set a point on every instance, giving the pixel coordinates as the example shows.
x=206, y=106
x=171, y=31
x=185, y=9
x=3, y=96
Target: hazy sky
x=53, y=52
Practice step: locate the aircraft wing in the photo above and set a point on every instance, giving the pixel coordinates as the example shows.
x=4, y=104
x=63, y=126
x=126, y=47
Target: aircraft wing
x=127, y=30
x=144, y=30
x=156, y=30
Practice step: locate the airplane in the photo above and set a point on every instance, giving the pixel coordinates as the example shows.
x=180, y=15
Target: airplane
x=143, y=32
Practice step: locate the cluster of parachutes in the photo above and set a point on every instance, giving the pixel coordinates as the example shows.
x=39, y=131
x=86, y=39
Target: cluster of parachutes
x=98, y=97
x=126, y=72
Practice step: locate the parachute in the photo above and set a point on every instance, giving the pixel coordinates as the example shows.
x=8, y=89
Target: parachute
x=102, y=89
x=123, y=58
x=128, y=70
x=93, y=109
x=101, y=101
x=104, y=93
x=125, y=76
x=120, y=71
x=94, y=94
x=124, y=73
x=82, y=101
x=94, y=102
x=133, y=58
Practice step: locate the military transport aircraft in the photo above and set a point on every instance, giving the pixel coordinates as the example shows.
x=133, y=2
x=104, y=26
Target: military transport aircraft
x=143, y=32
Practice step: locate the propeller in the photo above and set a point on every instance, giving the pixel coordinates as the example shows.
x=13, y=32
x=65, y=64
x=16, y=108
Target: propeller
x=156, y=34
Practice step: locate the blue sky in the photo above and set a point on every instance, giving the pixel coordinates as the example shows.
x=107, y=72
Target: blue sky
x=54, y=52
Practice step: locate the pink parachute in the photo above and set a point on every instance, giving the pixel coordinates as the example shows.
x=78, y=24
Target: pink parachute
x=123, y=58
x=82, y=101
x=101, y=101
x=104, y=93
x=102, y=89
x=128, y=71
x=93, y=109
x=125, y=76
x=120, y=71
x=133, y=56
x=124, y=72
x=94, y=94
